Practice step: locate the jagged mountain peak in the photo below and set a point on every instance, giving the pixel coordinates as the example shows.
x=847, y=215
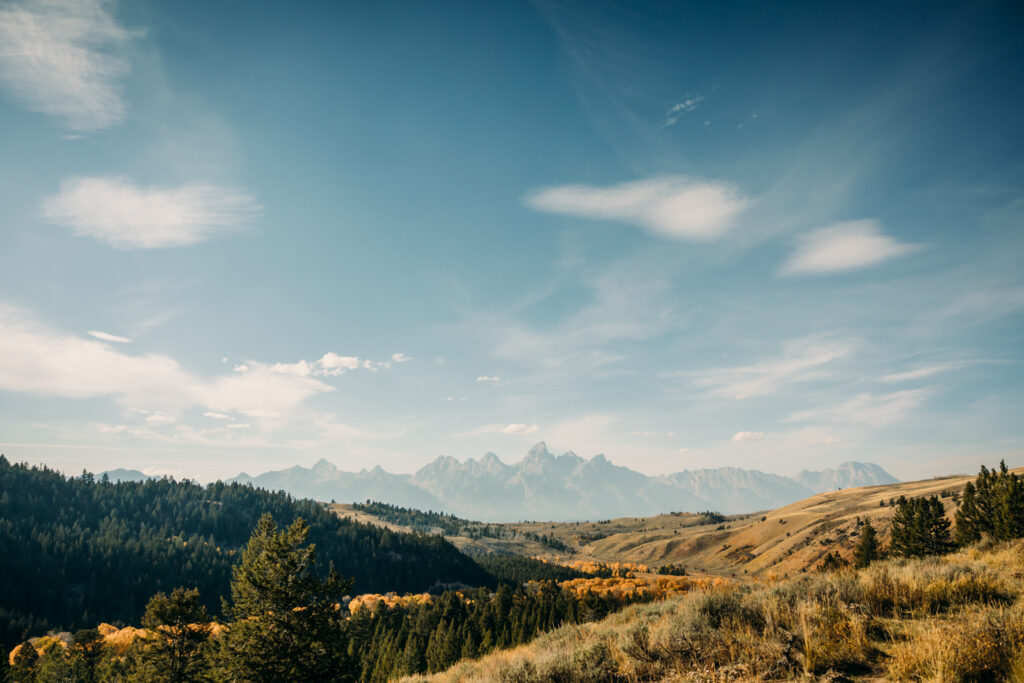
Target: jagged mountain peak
x=565, y=487
x=322, y=465
x=539, y=451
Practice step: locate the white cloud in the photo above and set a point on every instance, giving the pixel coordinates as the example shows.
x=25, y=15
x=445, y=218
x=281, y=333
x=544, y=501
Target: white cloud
x=919, y=373
x=802, y=360
x=488, y=378
x=38, y=360
x=161, y=419
x=748, y=436
x=239, y=425
x=109, y=337
x=332, y=364
x=676, y=207
x=867, y=408
x=216, y=416
x=61, y=58
x=677, y=110
x=844, y=247
x=400, y=357
x=514, y=428
x=299, y=369
x=127, y=216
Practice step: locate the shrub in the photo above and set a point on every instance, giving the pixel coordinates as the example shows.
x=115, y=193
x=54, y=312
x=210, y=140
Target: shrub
x=979, y=645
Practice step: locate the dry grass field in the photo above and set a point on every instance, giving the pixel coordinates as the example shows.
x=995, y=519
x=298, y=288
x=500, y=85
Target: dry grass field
x=779, y=542
x=958, y=617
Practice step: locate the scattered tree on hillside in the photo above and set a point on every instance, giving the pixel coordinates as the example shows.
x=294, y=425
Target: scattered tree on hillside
x=992, y=505
x=24, y=664
x=919, y=527
x=86, y=652
x=179, y=627
x=287, y=624
x=866, y=551
x=832, y=562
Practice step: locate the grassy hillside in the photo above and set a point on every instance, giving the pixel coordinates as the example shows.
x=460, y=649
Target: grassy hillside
x=781, y=541
x=778, y=542
x=958, y=617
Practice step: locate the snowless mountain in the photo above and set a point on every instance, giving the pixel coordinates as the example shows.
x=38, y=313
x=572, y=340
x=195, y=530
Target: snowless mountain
x=564, y=487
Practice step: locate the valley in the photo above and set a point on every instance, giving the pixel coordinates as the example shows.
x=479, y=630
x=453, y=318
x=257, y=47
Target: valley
x=786, y=540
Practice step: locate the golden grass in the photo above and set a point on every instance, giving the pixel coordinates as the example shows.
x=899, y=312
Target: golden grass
x=953, y=618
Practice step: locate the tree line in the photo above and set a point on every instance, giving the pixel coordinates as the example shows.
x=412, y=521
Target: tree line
x=431, y=522
x=991, y=506
x=285, y=621
x=78, y=551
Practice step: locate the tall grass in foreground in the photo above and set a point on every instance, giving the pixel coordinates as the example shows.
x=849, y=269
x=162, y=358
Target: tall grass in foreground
x=952, y=618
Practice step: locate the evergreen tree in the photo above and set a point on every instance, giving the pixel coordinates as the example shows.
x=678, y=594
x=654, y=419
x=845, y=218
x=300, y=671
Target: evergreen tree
x=54, y=666
x=919, y=527
x=24, y=664
x=832, y=562
x=992, y=505
x=286, y=624
x=866, y=551
x=178, y=627
x=85, y=655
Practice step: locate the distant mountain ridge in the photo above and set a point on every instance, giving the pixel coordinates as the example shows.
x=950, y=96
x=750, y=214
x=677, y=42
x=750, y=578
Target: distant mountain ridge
x=543, y=486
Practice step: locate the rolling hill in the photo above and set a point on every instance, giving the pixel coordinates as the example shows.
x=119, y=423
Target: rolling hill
x=788, y=539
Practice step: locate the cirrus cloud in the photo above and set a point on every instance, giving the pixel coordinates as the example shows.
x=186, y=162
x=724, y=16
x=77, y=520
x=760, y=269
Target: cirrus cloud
x=105, y=336
x=676, y=207
x=61, y=58
x=127, y=216
x=512, y=428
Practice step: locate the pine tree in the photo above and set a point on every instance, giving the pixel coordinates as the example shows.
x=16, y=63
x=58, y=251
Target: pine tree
x=919, y=527
x=992, y=505
x=54, y=666
x=86, y=652
x=24, y=665
x=287, y=624
x=179, y=627
x=969, y=523
x=866, y=551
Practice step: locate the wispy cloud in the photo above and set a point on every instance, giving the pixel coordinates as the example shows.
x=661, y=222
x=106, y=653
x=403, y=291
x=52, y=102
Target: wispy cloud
x=920, y=372
x=676, y=111
x=127, y=216
x=61, y=58
x=675, y=207
x=512, y=428
x=109, y=337
x=748, y=436
x=36, y=359
x=867, y=408
x=493, y=380
x=400, y=357
x=843, y=247
x=802, y=360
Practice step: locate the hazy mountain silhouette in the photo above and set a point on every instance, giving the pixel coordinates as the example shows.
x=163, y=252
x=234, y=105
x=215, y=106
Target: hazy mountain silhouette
x=563, y=487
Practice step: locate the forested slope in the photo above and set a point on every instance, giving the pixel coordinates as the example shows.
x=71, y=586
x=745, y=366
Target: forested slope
x=75, y=551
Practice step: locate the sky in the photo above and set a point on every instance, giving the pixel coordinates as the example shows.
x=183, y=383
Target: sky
x=241, y=236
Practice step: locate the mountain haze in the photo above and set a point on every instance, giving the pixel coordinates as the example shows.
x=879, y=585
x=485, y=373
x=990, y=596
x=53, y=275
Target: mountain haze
x=544, y=486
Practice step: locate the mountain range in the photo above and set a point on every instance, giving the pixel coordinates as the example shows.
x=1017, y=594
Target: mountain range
x=543, y=486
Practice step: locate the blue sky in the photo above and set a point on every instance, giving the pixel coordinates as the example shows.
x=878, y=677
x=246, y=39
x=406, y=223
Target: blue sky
x=242, y=236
